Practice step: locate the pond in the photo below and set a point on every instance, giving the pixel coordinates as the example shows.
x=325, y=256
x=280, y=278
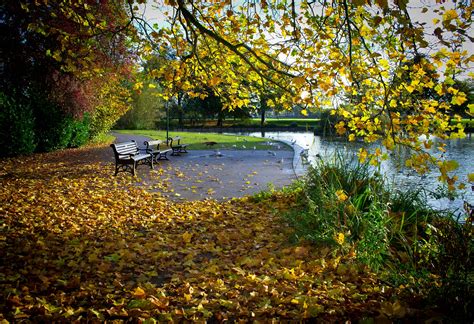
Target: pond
x=461, y=150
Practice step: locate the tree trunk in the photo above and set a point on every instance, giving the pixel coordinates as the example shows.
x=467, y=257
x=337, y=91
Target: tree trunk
x=263, y=108
x=180, y=110
x=220, y=117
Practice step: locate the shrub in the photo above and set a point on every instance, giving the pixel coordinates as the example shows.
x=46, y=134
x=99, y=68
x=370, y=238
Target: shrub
x=80, y=131
x=147, y=109
x=112, y=103
x=53, y=127
x=17, y=134
x=345, y=204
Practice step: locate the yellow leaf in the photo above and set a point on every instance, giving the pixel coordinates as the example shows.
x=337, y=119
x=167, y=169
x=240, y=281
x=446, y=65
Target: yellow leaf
x=450, y=15
x=340, y=238
x=138, y=86
x=299, y=81
x=139, y=293
x=471, y=108
x=384, y=64
x=187, y=237
x=340, y=128
x=470, y=177
x=151, y=86
x=459, y=99
x=214, y=81
x=362, y=155
x=451, y=165
x=341, y=195
x=409, y=88
x=304, y=112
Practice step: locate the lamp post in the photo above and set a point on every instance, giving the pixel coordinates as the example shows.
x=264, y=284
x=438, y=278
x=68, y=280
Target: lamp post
x=167, y=122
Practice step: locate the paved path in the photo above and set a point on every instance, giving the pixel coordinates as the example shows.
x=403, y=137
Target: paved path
x=202, y=174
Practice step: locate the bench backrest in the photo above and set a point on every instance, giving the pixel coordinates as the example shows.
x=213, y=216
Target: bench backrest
x=175, y=139
x=152, y=144
x=125, y=148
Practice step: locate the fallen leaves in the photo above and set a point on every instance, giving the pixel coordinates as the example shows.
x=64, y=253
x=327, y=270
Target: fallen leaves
x=78, y=244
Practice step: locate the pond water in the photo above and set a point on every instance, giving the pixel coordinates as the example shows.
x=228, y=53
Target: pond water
x=461, y=150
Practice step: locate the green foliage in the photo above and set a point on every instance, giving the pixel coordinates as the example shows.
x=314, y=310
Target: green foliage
x=53, y=128
x=16, y=127
x=147, y=109
x=80, y=131
x=343, y=204
x=38, y=125
x=102, y=139
x=454, y=264
x=271, y=194
x=112, y=104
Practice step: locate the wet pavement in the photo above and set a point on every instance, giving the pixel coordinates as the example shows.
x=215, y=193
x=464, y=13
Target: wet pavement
x=217, y=174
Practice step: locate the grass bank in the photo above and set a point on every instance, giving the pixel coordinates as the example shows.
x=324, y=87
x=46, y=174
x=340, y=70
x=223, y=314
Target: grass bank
x=252, y=122
x=348, y=208
x=196, y=141
x=286, y=122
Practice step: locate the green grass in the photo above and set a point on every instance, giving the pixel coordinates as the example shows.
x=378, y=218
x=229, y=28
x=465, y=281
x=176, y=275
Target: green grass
x=285, y=122
x=196, y=141
x=255, y=122
x=281, y=122
x=466, y=121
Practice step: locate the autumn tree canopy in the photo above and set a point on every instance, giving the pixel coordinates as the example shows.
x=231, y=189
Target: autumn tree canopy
x=369, y=60
x=62, y=81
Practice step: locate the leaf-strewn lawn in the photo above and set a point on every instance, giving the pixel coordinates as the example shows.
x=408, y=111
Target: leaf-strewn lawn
x=79, y=244
x=196, y=140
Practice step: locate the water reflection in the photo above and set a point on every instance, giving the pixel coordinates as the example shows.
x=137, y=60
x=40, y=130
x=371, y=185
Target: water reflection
x=461, y=150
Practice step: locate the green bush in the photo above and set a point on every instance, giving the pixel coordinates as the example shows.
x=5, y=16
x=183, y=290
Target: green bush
x=16, y=127
x=55, y=130
x=53, y=127
x=80, y=131
x=345, y=204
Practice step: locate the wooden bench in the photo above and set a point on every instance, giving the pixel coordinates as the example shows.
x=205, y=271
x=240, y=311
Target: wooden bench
x=153, y=148
x=128, y=157
x=176, y=146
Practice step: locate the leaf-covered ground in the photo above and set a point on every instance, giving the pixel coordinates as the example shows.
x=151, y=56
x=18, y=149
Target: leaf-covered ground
x=77, y=243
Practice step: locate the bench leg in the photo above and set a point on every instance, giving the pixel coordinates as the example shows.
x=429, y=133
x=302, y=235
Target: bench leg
x=175, y=151
x=162, y=156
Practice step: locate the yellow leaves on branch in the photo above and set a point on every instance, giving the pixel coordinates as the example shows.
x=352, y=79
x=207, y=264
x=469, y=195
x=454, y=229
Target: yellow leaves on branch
x=449, y=15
